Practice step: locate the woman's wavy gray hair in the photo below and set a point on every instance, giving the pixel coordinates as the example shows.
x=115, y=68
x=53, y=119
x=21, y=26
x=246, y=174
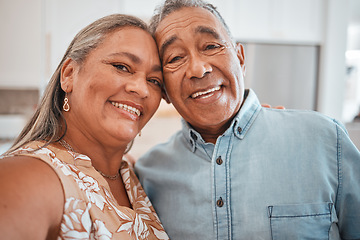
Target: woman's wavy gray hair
x=46, y=123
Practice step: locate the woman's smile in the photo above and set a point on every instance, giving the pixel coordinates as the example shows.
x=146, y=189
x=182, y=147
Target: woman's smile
x=133, y=112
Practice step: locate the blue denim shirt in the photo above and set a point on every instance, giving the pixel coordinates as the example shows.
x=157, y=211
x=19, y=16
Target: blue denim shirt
x=274, y=174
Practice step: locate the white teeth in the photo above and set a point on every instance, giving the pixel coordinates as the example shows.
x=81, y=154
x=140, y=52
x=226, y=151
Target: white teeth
x=127, y=108
x=205, y=92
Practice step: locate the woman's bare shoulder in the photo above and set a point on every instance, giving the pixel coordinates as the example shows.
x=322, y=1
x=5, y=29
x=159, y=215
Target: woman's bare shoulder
x=32, y=199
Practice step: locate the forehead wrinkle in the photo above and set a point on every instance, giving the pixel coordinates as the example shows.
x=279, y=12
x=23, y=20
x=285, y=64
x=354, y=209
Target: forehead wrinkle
x=186, y=22
x=176, y=24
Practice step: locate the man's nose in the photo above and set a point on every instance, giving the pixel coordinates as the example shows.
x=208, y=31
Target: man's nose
x=198, y=67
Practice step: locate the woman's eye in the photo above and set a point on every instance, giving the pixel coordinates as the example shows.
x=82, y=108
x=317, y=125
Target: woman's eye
x=121, y=67
x=155, y=81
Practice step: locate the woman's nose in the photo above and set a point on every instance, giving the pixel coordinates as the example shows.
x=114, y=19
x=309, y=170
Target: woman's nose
x=138, y=85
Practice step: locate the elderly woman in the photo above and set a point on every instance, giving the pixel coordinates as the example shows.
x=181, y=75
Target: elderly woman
x=64, y=178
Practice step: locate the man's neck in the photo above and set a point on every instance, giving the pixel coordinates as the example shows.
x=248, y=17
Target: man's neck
x=211, y=133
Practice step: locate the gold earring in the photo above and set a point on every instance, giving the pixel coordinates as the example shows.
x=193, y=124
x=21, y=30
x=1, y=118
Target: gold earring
x=140, y=133
x=66, y=106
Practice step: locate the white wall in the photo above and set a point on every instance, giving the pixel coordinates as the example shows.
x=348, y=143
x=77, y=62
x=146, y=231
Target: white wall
x=332, y=60
x=21, y=43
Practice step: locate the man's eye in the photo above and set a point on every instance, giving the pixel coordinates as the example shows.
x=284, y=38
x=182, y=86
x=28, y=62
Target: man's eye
x=173, y=60
x=212, y=49
x=212, y=46
x=121, y=67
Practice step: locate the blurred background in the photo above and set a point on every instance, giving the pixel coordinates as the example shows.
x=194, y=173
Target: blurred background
x=302, y=54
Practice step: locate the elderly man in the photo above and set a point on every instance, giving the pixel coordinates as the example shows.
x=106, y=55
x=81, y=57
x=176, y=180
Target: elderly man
x=237, y=170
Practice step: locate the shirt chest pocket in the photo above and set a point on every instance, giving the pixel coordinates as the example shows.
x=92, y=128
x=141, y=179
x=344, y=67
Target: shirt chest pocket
x=301, y=221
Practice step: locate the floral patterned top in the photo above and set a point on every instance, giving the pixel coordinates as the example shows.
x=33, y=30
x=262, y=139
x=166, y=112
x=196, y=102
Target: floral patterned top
x=91, y=211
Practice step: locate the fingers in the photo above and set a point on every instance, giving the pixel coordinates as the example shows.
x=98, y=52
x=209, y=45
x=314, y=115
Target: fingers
x=269, y=106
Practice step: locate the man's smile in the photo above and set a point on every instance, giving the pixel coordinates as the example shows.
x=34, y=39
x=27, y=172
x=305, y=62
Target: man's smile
x=206, y=93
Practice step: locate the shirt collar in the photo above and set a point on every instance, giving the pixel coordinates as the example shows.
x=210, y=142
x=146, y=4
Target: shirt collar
x=191, y=135
x=247, y=115
x=240, y=125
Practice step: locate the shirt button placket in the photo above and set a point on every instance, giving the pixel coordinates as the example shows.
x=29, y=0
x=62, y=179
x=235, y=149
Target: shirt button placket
x=220, y=201
x=220, y=181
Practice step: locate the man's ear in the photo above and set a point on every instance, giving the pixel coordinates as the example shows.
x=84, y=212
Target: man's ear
x=240, y=52
x=67, y=75
x=165, y=96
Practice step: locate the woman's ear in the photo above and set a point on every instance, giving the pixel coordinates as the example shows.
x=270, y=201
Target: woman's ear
x=67, y=75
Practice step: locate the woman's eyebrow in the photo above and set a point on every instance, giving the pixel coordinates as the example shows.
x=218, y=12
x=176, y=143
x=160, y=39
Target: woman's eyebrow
x=131, y=56
x=136, y=59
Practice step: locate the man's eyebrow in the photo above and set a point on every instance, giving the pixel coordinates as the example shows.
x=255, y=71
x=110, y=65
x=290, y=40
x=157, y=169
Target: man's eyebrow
x=203, y=29
x=199, y=29
x=166, y=44
x=131, y=56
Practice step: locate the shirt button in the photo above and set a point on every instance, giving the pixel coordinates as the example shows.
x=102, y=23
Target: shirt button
x=239, y=129
x=219, y=161
x=220, y=202
x=193, y=135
